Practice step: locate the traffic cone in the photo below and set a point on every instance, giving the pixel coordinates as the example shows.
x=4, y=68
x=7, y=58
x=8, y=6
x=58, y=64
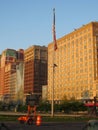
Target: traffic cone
x=38, y=120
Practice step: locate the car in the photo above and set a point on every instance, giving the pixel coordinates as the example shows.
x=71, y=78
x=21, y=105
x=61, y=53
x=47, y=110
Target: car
x=91, y=125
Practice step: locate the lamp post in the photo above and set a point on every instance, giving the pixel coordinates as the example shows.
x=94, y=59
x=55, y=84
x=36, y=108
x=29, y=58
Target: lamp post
x=52, y=104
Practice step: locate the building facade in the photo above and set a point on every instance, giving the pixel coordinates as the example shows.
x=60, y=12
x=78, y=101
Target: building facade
x=76, y=59
x=35, y=69
x=44, y=92
x=10, y=63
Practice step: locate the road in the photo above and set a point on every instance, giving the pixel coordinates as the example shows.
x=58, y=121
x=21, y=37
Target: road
x=43, y=126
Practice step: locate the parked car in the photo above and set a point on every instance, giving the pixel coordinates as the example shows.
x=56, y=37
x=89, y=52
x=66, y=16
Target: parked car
x=91, y=125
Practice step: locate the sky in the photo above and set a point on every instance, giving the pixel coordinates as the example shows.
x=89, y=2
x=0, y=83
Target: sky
x=24, y=23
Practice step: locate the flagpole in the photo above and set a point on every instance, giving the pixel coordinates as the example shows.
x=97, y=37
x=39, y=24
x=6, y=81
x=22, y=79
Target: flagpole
x=52, y=105
x=54, y=65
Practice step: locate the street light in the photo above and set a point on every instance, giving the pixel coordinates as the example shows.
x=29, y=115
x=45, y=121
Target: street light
x=52, y=104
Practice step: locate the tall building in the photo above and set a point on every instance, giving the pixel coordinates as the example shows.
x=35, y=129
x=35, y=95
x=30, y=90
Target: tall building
x=76, y=57
x=0, y=78
x=10, y=63
x=35, y=69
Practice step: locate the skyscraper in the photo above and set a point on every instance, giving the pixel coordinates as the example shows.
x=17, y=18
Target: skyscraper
x=10, y=85
x=35, y=69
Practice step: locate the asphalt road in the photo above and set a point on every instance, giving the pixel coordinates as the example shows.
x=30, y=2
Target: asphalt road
x=43, y=126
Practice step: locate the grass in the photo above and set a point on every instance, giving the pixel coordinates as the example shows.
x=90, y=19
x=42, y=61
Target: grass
x=66, y=119
x=49, y=119
x=8, y=118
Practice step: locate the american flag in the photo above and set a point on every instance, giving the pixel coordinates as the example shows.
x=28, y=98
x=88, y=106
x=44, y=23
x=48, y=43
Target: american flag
x=54, y=33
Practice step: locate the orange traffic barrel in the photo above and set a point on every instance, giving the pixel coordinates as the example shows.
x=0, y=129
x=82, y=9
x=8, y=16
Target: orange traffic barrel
x=38, y=120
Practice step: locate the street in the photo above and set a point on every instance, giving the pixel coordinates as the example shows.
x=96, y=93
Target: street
x=43, y=126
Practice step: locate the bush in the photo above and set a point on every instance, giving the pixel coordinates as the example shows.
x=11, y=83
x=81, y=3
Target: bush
x=74, y=106
x=44, y=106
x=22, y=108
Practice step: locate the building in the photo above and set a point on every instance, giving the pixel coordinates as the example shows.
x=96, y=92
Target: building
x=76, y=57
x=35, y=69
x=44, y=92
x=10, y=63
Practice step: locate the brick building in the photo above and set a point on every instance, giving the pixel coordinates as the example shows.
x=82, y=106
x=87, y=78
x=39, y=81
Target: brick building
x=35, y=69
x=9, y=66
x=76, y=74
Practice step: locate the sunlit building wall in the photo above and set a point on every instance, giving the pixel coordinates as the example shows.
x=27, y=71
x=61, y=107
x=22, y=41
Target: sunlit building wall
x=10, y=59
x=76, y=57
x=44, y=92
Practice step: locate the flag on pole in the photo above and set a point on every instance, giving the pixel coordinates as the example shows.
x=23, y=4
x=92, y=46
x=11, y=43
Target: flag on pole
x=54, y=33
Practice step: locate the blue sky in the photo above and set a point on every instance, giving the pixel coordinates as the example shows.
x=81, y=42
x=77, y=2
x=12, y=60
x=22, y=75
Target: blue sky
x=29, y=22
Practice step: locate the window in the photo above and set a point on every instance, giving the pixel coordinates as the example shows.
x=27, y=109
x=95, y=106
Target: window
x=96, y=38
